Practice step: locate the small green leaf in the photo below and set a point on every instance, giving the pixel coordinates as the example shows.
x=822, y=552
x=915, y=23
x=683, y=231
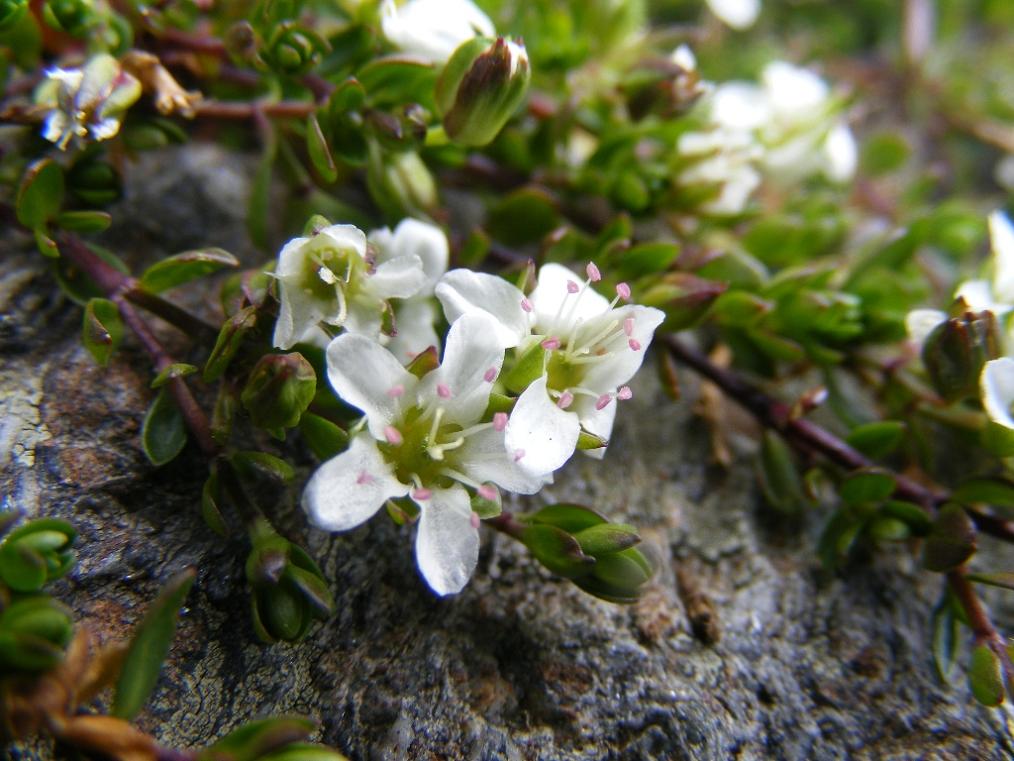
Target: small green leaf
x=259, y=203
x=951, y=541
x=984, y=677
x=1002, y=579
x=83, y=221
x=175, y=370
x=394, y=80
x=230, y=337
x=915, y=517
x=645, y=259
x=163, y=434
x=324, y=438
x=40, y=193
x=182, y=268
x=877, y=440
x=210, y=510
x=993, y=491
x=45, y=244
x=258, y=738
x=779, y=475
x=884, y=528
x=248, y=464
x=318, y=150
x=945, y=633
x=102, y=330
x=867, y=487
x=149, y=647
x=569, y=517
x=21, y=568
x=740, y=308
x=523, y=216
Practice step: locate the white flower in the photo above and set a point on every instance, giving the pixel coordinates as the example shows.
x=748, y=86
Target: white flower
x=433, y=29
x=592, y=347
x=330, y=277
x=739, y=14
x=793, y=116
x=86, y=103
x=425, y=438
x=723, y=159
x=996, y=294
x=415, y=315
x=996, y=386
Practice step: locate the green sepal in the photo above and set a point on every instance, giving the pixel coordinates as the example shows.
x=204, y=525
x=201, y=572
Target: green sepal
x=525, y=369
x=569, y=517
x=557, y=550
x=589, y=441
x=319, y=151
x=424, y=362
x=607, y=538
x=324, y=438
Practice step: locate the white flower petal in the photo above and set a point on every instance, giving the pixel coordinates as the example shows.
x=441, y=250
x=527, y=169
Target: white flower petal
x=739, y=107
x=739, y=14
x=545, y=434
x=462, y=292
x=997, y=386
x=433, y=29
x=363, y=316
x=348, y=489
x=413, y=319
x=428, y=242
x=363, y=373
x=485, y=457
x=1001, y=235
x=978, y=296
x=345, y=236
x=397, y=278
x=297, y=315
x=472, y=360
x=921, y=322
x=447, y=544
x=842, y=155
x=794, y=92
x=290, y=259
x=596, y=421
x=555, y=307
x=624, y=361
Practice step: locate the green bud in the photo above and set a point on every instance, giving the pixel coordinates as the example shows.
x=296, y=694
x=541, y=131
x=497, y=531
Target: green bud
x=684, y=298
x=11, y=12
x=72, y=16
x=481, y=87
x=94, y=181
x=955, y=352
x=400, y=182
x=293, y=50
x=288, y=589
x=34, y=632
x=280, y=388
x=35, y=553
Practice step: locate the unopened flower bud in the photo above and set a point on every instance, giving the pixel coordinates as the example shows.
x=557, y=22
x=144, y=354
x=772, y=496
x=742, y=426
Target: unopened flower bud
x=400, y=182
x=35, y=553
x=293, y=50
x=33, y=634
x=288, y=589
x=280, y=388
x=481, y=87
x=11, y=12
x=955, y=352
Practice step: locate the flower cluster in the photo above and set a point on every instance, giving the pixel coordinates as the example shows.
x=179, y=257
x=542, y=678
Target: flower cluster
x=788, y=128
x=521, y=379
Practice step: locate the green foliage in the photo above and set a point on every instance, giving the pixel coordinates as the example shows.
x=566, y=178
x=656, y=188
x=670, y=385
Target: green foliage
x=149, y=646
x=182, y=268
x=163, y=434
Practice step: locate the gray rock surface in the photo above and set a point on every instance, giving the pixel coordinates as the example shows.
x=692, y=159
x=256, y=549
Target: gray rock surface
x=520, y=665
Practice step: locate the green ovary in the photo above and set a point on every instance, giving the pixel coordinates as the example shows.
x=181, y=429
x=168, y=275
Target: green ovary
x=415, y=459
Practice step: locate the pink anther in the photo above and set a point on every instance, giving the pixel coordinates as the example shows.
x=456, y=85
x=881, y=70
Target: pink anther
x=499, y=421
x=393, y=435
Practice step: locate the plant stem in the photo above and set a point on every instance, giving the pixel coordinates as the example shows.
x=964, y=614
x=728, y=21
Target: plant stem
x=115, y=283
x=194, y=417
x=817, y=440
x=298, y=109
x=506, y=523
x=982, y=627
